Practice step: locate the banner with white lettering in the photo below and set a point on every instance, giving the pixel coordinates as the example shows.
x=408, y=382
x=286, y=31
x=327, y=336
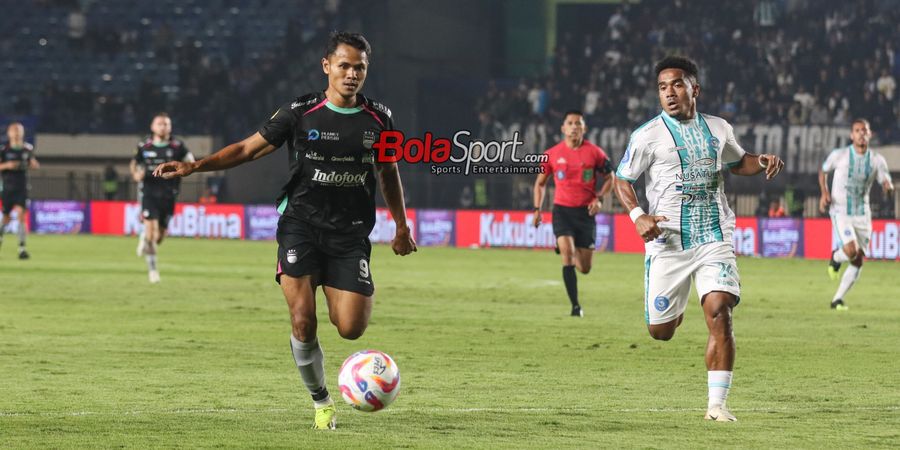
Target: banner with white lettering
x=803, y=147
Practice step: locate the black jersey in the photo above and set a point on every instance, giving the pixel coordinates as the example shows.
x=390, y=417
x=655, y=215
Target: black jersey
x=332, y=184
x=150, y=155
x=17, y=178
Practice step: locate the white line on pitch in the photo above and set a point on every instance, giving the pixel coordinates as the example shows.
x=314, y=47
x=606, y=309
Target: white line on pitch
x=437, y=410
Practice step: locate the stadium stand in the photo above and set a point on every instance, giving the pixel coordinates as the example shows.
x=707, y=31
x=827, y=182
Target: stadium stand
x=780, y=65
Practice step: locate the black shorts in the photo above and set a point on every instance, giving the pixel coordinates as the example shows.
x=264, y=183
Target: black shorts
x=13, y=197
x=336, y=260
x=575, y=222
x=158, y=207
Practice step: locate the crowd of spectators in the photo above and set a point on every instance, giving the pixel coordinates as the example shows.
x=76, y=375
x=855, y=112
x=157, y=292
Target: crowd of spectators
x=210, y=64
x=762, y=61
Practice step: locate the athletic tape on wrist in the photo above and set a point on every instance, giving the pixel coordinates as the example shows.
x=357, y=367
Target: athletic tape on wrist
x=635, y=213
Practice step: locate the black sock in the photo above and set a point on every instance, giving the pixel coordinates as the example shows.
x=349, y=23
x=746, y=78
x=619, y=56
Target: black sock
x=571, y=284
x=320, y=395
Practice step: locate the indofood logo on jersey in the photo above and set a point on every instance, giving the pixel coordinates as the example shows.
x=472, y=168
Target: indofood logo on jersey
x=340, y=179
x=463, y=155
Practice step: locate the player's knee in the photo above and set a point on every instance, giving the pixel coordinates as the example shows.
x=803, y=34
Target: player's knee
x=351, y=332
x=720, y=320
x=858, y=260
x=584, y=268
x=304, y=328
x=661, y=333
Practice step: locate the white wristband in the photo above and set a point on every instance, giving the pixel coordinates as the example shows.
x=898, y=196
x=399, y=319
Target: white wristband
x=635, y=213
x=760, y=161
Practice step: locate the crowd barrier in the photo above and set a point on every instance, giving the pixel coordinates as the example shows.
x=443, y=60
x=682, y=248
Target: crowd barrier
x=763, y=237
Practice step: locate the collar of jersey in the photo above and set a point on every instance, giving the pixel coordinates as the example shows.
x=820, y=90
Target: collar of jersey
x=675, y=121
x=340, y=110
x=160, y=144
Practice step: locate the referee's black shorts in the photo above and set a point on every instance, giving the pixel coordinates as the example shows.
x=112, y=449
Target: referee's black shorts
x=575, y=222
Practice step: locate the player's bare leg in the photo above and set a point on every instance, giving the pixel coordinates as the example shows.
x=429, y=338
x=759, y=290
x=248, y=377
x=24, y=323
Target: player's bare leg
x=300, y=294
x=151, y=232
x=720, y=351
x=22, y=231
x=567, y=251
x=348, y=311
x=856, y=257
x=6, y=220
x=664, y=331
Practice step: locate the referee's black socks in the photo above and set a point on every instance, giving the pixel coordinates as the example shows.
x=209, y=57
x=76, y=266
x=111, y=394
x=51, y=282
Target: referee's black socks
x=571, y=284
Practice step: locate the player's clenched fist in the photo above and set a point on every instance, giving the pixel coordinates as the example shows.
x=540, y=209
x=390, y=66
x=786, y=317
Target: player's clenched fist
x=403, y=244
x=647, y=227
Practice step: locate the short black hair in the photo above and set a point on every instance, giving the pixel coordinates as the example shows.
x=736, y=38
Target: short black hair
x=576, y=112
x=679, y=62
x=860, y=120
x=355, y=40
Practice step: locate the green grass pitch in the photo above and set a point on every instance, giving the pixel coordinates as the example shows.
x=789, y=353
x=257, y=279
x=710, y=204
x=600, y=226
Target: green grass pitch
x=92, y=356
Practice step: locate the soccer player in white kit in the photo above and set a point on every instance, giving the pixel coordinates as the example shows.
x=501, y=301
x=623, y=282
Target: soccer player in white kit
x=856, y=168
x=689, y=226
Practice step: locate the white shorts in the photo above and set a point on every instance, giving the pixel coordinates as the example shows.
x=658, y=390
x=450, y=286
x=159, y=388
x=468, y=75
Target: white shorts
x=668, y=275
x=852, y=228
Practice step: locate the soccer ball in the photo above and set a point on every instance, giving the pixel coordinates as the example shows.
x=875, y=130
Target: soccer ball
x=369, y=380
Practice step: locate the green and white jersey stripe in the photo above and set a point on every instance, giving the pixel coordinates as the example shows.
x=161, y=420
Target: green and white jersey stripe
x=854, y=174
x=683, y=162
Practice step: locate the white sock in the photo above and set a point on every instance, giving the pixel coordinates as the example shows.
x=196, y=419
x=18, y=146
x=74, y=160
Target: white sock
x=21, y=232
x=151, y=261
x=719, y=382
x=839, y=256
x=310, y=361
x=850, y=276
x=150, y=255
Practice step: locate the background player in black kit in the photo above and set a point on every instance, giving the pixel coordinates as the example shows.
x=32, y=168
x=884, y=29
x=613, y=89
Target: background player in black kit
x=16, y=157
x=158, y=195
x=327, y=206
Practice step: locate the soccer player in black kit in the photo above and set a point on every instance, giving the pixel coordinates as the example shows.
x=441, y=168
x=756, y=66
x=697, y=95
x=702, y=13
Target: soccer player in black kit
x=16, y=157
x=158, y=199
x=328, y=205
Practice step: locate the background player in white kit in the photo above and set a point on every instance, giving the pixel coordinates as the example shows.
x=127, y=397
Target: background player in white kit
x=689, y=227
x=855, y=168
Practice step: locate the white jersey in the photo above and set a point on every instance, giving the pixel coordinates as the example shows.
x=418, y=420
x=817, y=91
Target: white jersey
x=684, y=162
x=853, y=178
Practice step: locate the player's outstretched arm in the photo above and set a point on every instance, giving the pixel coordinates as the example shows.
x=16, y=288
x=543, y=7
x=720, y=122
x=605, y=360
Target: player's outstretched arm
x=392, y=190
x=751, y=164
x=254, y=147
x=540, y=189
x=825, y=197
x=645, y=224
